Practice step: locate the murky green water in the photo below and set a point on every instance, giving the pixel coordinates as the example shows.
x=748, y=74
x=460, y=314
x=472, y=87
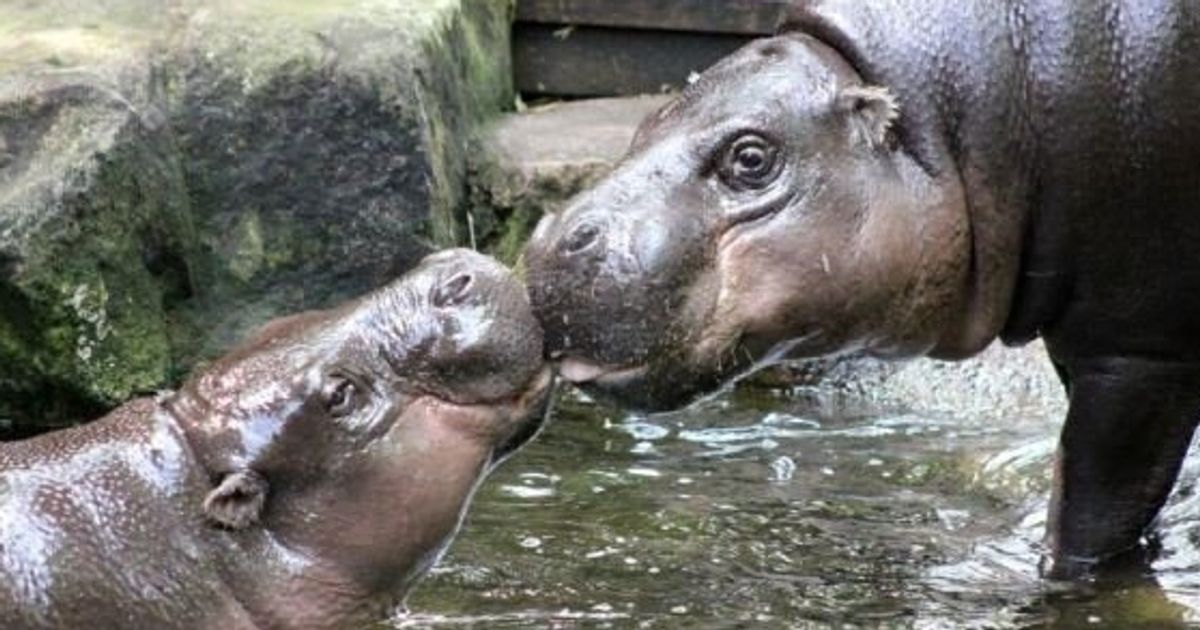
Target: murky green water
x=775, y=509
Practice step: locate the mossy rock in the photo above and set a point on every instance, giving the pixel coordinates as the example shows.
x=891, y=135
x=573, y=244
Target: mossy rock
x=174, y=174
x=325, y=145
x=95, y=239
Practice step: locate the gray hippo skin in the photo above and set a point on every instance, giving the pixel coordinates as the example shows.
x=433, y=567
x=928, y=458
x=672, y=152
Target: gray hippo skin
x=305, y=480
x=911, y=177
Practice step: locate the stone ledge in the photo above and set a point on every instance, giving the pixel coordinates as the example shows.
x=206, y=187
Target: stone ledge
x=532, y=162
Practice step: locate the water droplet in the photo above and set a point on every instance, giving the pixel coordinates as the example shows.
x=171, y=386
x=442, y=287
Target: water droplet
x=783, y=469
x=642, y=448
x=644, y=472
x=645, y=431
x=776, y=418
x=953, y=519
x=527, y=492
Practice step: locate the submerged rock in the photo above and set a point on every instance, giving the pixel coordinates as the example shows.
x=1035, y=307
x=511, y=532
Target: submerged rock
x=998, y=381
x=173, y=174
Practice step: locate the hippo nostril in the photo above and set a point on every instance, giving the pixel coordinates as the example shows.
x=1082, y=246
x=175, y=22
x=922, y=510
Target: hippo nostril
x=453, y=292
x=543, y=227
x=581, y=238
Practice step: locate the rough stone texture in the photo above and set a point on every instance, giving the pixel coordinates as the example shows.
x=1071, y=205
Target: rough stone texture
x=326, y=144
x=174, y=173
x=94, y=234
x=996, y=382
x=532, y=162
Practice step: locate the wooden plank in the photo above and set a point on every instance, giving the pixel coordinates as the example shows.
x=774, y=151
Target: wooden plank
x=610, y=62
x=746, y=17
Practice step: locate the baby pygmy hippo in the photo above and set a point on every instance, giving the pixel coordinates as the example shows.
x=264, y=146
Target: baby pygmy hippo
x=306, y=479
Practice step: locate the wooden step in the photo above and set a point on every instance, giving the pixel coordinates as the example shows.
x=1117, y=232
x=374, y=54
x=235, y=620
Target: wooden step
x=586, y=48
x=738, y=17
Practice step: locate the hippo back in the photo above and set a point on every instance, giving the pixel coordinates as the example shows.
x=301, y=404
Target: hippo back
x=1074, y=129
x=94, y=533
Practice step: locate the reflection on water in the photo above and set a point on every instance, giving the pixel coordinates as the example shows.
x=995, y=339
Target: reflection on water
x=914, y=500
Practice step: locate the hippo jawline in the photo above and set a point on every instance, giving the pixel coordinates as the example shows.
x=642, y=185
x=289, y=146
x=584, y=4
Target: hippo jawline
x=532, y=404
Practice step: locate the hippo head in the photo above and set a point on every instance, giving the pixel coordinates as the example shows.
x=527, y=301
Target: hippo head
x=354, y=437
x=770, y=210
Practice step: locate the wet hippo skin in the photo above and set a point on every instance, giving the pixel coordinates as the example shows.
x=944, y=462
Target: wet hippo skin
x=305, y=480
x=917, y=177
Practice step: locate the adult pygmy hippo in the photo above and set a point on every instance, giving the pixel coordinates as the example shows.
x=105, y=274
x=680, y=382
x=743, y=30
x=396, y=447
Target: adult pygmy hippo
x=306, y=479
x=913, y=177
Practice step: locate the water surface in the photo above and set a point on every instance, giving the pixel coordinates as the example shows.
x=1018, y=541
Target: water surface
x=914, y=501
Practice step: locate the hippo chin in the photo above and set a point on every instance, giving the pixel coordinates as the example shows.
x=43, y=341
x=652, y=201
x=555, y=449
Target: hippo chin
x=917, y=177
x=306, y=479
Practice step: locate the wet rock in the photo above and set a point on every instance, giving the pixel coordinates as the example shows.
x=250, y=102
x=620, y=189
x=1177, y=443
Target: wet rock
x=326, y=144
x=90, y=190
x=998, y=381
x=173, y=174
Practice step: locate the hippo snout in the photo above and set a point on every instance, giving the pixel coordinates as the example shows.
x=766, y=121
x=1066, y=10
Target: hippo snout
x=485, y=342
x=608, y=279
x=462, y=273
x=582, y=237
x=455, y=290
x=576, y=241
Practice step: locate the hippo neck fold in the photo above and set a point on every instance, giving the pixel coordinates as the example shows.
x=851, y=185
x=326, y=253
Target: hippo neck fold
x=259, y=568
x=965, y=119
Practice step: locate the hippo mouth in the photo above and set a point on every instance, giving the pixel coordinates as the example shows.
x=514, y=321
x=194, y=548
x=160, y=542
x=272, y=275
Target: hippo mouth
x=532, y=407
x=583, y=372
x=651, y=387
x=625, y=385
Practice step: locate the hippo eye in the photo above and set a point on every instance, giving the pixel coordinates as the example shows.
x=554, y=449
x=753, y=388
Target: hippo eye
x=341, y=397
x=749, y=163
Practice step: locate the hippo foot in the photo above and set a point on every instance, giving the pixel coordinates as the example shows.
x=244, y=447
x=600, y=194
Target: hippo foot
x=1122, y=566
x=1128, y=428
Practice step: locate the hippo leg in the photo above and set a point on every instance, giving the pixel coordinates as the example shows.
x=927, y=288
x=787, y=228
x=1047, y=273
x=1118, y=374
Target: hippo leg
x=1127, y=431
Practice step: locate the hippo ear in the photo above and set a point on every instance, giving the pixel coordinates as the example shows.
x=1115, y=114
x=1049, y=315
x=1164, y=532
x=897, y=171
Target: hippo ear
x=873, y=110
x=237, y=502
